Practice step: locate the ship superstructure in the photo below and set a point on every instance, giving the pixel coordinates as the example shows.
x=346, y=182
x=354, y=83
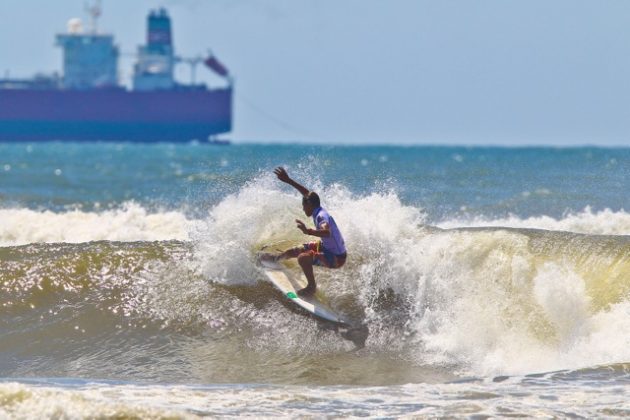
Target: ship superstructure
x=88, y=102
x=90, y=60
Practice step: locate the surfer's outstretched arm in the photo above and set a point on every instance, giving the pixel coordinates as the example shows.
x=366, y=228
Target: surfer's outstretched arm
x=283, y=176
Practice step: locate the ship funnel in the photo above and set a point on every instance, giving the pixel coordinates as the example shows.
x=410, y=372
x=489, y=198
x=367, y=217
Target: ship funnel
x=75, y=26
x=156, y=59
x=159, y=31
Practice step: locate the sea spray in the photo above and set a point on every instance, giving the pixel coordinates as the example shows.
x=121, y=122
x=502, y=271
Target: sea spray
x=490, y=301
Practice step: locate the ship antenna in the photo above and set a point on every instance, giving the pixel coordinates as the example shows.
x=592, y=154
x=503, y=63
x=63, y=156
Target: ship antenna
x=94, y=11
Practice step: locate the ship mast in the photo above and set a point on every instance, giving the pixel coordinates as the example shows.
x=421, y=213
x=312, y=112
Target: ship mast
x=193, y=62
x=94, y=11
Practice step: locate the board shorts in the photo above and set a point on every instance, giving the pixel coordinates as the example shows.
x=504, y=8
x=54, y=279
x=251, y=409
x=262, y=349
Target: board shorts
x=323, y=257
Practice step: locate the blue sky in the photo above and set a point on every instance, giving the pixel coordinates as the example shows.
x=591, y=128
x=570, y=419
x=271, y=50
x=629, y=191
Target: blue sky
x=504, y=72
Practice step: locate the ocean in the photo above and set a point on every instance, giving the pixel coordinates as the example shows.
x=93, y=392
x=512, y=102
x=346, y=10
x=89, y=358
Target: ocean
x=490, y=281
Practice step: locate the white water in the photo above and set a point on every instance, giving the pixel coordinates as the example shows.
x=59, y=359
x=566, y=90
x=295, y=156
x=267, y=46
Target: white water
x=603, y=222
x=265, y=212
x=131, y=222
x=484, y=399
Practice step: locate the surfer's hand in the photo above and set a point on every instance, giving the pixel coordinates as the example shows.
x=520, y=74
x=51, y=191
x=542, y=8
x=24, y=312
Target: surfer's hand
x=301, y=226
x=282, y=174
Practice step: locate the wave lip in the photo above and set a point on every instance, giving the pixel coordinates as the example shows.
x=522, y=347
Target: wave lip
x=602, y=222
x=130, y=222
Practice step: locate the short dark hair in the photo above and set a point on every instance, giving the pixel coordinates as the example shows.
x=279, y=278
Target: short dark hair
x=312, y=198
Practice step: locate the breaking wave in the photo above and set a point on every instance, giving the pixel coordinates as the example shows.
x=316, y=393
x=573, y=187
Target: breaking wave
x=504, y=298
x=130, y=222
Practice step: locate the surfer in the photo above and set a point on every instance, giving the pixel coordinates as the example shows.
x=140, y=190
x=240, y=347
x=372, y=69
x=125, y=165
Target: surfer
x=329, y=251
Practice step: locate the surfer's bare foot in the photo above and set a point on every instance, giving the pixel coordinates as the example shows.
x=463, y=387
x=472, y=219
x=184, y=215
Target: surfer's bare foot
x=307, y=291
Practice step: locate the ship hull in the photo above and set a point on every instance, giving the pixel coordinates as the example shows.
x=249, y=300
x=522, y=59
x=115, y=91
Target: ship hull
x=114, y=115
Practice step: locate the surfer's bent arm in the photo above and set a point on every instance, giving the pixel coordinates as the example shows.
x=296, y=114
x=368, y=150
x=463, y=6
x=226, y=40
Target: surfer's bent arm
x=283, y=176
x=322, y=232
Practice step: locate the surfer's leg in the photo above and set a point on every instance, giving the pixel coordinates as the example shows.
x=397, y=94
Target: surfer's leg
x=289, y=253
x=305, y=260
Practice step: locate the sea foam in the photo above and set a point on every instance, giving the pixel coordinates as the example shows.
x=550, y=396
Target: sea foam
x=602, y=222
x=130, y=222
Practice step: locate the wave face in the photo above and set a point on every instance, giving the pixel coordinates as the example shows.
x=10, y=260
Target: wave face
x=133, y=294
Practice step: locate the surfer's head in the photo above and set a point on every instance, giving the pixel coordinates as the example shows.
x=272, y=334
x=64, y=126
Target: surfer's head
x=310, y=202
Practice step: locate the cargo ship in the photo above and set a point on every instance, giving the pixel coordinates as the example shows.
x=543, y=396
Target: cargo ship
x=88, y=103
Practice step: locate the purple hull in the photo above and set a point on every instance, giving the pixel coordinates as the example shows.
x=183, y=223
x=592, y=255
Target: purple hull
x=114, y=114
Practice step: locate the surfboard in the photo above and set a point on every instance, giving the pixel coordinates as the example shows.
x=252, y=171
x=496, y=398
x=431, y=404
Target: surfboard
x=289, y=286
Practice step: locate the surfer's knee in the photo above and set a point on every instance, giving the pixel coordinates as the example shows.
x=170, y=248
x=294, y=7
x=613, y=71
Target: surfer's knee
x=305, y=258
